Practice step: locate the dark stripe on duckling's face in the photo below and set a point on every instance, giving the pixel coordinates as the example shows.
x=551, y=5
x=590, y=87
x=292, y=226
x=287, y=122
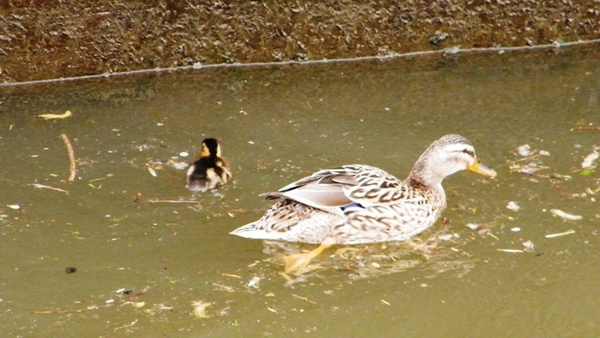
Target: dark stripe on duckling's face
x=210, y=148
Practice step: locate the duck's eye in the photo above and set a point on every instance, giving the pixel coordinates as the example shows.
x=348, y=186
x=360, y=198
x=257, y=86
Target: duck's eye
x=469, y=152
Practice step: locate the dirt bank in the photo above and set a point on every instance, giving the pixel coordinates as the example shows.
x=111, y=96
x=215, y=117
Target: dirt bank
x=45, y=39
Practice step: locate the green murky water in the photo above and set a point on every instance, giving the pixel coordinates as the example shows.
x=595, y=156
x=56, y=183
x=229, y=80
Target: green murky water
x=124, y=229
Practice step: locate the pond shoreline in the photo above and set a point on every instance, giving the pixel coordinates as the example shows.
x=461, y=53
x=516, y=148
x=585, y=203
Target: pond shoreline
x=47, y=40
x=451, y=52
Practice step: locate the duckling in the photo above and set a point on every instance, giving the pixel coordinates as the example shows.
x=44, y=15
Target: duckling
x=359, y=204
x=210, y=170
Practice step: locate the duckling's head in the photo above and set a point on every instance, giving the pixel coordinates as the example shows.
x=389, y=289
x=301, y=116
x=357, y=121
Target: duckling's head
x=210, y=148
x=444, y=157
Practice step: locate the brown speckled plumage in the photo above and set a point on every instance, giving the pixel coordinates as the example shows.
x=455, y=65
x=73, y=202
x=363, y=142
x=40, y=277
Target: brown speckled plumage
x=356, y=204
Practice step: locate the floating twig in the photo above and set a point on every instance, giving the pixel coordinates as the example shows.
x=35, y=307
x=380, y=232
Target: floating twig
x=564, y=215
x=126, y=325
x=593, y=128
x=156, y=200
x=58, y=311
x=511, y=250
x=520, y=160
x=43, y=186
x=224, y=287
x=560, y=234
x=304, y=299
x=558, y=189
x=243, y=211
x=44, y=312
x=72, y=166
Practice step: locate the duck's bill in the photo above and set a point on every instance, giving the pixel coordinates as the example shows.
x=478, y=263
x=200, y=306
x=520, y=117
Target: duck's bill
x=482, y=169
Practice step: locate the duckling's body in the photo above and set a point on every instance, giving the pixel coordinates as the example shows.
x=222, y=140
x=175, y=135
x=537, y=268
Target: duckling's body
x=210, y=170
x=355, y=204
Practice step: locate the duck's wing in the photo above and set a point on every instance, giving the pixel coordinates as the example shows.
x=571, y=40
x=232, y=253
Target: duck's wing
x=334, y=190
x=376, y=186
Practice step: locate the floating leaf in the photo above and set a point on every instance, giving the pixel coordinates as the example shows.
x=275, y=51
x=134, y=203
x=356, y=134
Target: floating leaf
x=587, y=172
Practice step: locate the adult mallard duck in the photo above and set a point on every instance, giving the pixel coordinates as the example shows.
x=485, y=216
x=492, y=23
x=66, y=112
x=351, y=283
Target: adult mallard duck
x=356, y=204
x=210, y=170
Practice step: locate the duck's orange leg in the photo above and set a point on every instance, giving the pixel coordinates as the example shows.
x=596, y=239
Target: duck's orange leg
x=296, y=262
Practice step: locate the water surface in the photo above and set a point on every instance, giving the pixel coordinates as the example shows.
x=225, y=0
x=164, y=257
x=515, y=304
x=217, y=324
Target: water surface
x=278, y=125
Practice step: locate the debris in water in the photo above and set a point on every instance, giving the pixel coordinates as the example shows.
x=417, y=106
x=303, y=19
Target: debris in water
x=200, y=309
x=304, y=299
x=446, y=237
x=156, y=200
x=513, y=206
x=472, y=226
x=510, y=250
x=560, y=234
x=515, y=229
x=524, y=150
x=56, y=116
x=529, y=247
x=126, y=325
x=224, y=287
x=254, y=282
x=152, y=172
x=14, y=206
x=179, y=165
x=72, y=165
x=587, y=172
x=43, y=186
x=564, y=215
x=70, y=269
x=527, y=169
x=588, y=161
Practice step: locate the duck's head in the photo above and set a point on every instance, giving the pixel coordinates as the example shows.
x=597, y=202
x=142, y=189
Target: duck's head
x=444, y=157
x=210, y=148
